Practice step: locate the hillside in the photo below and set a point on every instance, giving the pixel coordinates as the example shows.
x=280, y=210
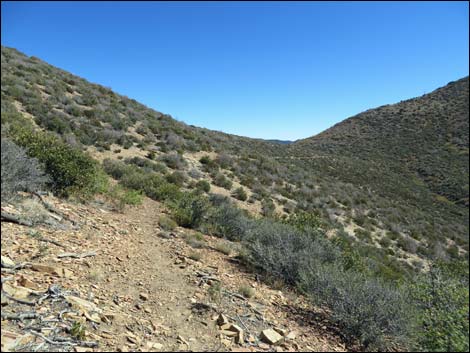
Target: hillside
x=377, y=202
x=400, y=170
x=428, y=136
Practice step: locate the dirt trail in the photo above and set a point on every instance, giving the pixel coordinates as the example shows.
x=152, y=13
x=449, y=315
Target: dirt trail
x=153, y=294
x=150, y=269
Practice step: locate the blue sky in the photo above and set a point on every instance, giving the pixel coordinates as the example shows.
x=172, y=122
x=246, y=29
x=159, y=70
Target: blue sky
x=284, y=70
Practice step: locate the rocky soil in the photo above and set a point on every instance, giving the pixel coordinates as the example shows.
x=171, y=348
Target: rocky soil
x=87, y=278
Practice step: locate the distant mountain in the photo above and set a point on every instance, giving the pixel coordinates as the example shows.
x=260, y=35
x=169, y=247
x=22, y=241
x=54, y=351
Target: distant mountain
x=281, y=142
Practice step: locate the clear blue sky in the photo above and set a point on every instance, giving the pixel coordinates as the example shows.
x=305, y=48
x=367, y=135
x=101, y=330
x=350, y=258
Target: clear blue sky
x=283, y=70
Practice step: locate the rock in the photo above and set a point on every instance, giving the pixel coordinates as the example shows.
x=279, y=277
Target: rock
x=7, y=262
x=131, y=339
x=24, y=282
x=85, y=307
x=225, y=326
x=292, y=335
x=83, y=349
x=4, y=300
x=240, y=338
x=16, y=292
x=229, y=333
x=241, y=349
x=158, y=346
x=270, y=336
x=144, y=296
x=281, y=331
x=53, y=270
x=222, y=320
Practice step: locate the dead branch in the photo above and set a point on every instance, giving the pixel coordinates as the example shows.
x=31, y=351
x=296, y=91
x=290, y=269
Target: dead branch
x=51, y=241
x=65, y=341
x=7, y=217
x=77, y=256
x=52, y=209
x=21, y=316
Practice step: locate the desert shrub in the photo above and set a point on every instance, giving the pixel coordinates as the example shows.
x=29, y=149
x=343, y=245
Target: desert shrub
x=228, y=221
x=385, y=242
x=223, y=248
x=224, y=160
x=70, y=170
x=146, y=164
x=365, y=308
x=194, y=255
x=121, y=196
x=177, y=177
x=173, y=160
x=442, y=298
x=305, y=221
x=189, y=209
x=283, y=250
x=153, y=185
x=195, y=174
x=195, y=240
x=267, y=207
x=116, y=169
x=19, y=171
x=208, y=165
x=246, y=291
x=240, y=194
x=203, y=185
x=166, y=223
x=221, y=180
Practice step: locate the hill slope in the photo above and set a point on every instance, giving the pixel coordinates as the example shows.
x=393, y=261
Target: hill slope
x=427, y=136
x=393, y=180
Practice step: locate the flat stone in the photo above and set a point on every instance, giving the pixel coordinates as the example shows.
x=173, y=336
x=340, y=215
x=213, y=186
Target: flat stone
x=229, y=333
x=87, y=308
x=53, y=270
x=4, y=300
x=281, y=331
x=7, y=262
x=270, y=336
x=144, y=296
x=291, y=335
x=16, y=292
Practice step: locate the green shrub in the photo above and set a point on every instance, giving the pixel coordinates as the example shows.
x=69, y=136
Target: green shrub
x=189, y=209
x=173, y=160
x=121, y=196
x=223, y=248
x=240, y=194
x=166, y=223
x=229, y=221
x=203, y=185
x=442, y=298
x=178, y=178
x=246, y=291
x=194, y=240
x=222, y=181
x=71, y=170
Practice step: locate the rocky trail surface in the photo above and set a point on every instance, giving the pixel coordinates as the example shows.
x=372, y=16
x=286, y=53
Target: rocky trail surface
x=88, y=278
